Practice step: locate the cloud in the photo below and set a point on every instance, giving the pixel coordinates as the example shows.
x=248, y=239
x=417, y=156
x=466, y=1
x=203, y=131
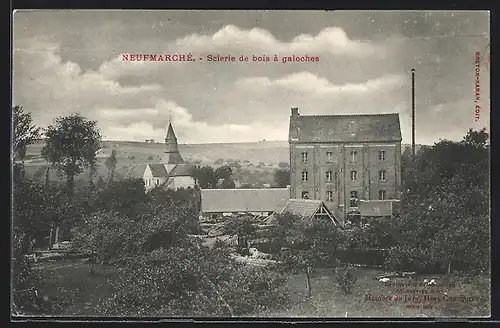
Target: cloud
x=331, y=40
x=230, y=39
x=312, y=84
x=185, y=126
x=58, y=72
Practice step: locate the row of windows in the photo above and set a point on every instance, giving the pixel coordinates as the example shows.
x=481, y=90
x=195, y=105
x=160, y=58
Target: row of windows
x=330, y=176
x=150, y=183
x=354, y=156
x=353, y=199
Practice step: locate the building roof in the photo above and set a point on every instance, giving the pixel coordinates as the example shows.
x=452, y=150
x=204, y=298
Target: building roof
x=136, y=171
x=172, y=157
x=243, y=200
x=158, y=170
x=347, y=128
x=182, y=170
x=305, y=208
x=170, y=132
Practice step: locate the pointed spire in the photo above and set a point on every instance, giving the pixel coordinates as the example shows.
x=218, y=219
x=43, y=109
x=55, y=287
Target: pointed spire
x=170, y=134
x=172, y=155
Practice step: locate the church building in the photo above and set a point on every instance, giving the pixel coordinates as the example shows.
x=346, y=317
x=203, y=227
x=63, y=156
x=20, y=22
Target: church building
x=172, y=172
x=350, y=162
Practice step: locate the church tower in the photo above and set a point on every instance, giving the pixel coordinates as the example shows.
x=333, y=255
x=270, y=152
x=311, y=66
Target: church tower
x=171, y=156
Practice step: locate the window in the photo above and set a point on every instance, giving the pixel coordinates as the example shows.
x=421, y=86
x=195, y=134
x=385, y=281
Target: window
x=157, y=181
x=329, y=196
x=304, y=157
x=304, y=176
x=329, y=176
x=329, y=156
x=354, y=175
x=381, y=175
x=381, y=155
x=354, y=199
x=354, y=155
x=305, y=195
x=381, y=194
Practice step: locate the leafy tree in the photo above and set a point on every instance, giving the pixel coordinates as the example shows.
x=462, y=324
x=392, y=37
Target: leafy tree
x=243, y=228
x=444, y=219
x=71, y=145
x=165, y=272
x=306, y=244
x=205, y=177
x=122, y=196
x=224, y=172
x=24, y=132
x=282, y=177
x=111, y=165
x=30, y=210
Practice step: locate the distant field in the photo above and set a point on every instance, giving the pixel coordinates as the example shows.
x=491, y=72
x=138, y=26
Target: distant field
x=265, y=154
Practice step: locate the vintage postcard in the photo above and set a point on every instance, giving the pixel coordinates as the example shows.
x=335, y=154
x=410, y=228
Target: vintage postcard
x=188, y=164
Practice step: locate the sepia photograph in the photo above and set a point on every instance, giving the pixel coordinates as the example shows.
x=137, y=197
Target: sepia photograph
x=250, y=164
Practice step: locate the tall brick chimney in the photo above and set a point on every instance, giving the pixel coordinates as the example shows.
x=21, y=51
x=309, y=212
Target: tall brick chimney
x=294, y=118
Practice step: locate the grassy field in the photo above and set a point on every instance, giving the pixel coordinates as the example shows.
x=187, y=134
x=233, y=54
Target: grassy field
x=256, y=159
x=71, y=285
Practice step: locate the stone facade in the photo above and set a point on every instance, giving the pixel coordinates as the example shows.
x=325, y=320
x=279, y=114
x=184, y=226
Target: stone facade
x=342, y=164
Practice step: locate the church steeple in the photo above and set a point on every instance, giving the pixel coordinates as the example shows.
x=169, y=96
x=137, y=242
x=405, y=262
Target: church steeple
x=172, y=155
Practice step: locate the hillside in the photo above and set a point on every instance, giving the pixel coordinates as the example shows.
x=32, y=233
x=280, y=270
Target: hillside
x=261, y=156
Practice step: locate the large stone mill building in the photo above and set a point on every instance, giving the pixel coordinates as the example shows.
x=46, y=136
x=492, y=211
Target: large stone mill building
x=351, y=162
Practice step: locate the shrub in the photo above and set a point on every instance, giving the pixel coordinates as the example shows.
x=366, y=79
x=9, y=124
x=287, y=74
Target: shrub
x=26, y=294
x=346, y=278
x=192, y=281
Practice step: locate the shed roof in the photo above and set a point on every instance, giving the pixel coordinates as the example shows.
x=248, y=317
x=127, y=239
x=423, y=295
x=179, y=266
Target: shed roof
x=243, y=200
x=346, y=128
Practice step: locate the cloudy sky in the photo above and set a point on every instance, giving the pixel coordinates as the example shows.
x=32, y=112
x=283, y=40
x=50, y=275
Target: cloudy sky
x=70, y=61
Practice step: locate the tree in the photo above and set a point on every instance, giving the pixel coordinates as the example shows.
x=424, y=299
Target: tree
x=111, y=165
x=306, y=244
x=445, y=210
x=71, y=145
x=122, y=196
x=243, y=228
x=224, y=172
x=24, y=132
x=282, y=177
x=205, y=177
x=165, y=272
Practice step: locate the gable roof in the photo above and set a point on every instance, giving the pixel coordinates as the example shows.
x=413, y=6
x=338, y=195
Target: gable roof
x=181, y=170
x=346, y=128
x=136, y=171
x=243, y=200
x=306, y=208
x=303, y=207
x=158, y=170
